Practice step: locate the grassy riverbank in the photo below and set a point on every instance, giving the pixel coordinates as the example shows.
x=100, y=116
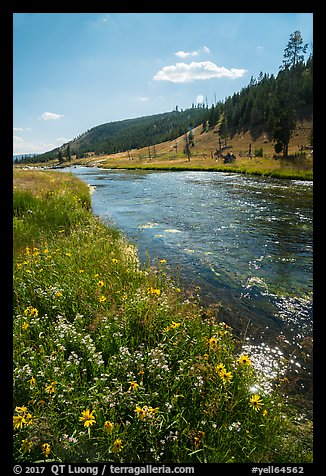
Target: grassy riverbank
x=170, y=156
x=114, y=362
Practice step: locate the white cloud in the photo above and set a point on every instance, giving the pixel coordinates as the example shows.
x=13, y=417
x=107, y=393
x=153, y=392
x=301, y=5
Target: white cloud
x=142, y=98
x=17, y=129
x=62, y=140
x=185, y=73
x=50, y=116
x=17, y=139
x=185, y=54
x=199, y=99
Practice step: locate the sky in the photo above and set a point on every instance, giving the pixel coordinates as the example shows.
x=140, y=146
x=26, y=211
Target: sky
x=74, y=71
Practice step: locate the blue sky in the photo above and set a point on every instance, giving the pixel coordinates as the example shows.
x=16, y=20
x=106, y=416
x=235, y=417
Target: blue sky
x=74, y=71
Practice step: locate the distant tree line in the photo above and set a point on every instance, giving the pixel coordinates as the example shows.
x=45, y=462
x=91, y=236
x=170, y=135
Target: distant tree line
x=270, y=104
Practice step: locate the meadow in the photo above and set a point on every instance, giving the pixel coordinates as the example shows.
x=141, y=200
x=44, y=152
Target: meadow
x=114, y=362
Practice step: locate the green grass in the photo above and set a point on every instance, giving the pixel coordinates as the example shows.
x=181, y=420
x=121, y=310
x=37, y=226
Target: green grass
x=113, y=362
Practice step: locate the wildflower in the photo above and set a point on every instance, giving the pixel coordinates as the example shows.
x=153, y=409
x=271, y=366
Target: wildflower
x=256, y=402
x=22, y=409
x=220, y=368
x=265, y=412
x=27, y=446
x=114, y=261
x=27, y=250
x=31, y=311
x=25, y=325
x=46, y=448
x=162, y=261
x=117, y=446
x=50, y=388
x=32, y=381
x=244, y=359
x=108, y=426
x=19, y=421
x=212, y=342
x=29, y=420
x=100, y=284
x=68, y=254
x=82, y=271
x=235, y=426
x=141, y=412
x=58, y=294
x=133, y=386
x=152, y=411
x=174, y=325
x=102, y=298
x=96, y=275
x=225, y=376
x=152, y=290
x=88, y=418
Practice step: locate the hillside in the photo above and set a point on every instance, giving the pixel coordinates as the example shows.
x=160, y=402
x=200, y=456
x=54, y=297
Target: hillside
x=117, y=136
x=170, y=155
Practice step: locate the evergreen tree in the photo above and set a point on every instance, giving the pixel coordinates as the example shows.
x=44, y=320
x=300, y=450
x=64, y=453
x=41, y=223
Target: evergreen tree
x=285, y=102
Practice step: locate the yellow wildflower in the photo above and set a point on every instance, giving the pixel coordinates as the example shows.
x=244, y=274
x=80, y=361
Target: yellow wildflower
x=31, y=311
x=174, y=325
x=141, y=412
x=108, y=426
x=25, y=325
x=114, y=261
x=32, y=381
x=220, y=368
x=225, y=376
x=50, y=388
x=46, y=448
x=100, y=284
x=88, y=418
x=133, y=385
x=244, y=359
x=117, y=446
x=256, y=402
x=27, y=446
x=212, y=342
x=152, y=290
x=102, y=298
x=19, y=421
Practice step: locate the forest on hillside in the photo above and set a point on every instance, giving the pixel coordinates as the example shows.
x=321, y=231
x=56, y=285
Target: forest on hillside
x=269, y=104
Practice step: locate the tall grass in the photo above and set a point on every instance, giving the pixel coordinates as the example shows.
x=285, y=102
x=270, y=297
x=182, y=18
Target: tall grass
x=113, y=362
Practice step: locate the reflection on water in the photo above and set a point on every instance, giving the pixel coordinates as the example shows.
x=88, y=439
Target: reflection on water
x=246, y=241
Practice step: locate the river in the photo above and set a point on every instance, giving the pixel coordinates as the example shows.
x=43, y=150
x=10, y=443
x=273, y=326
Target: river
x=246, y=241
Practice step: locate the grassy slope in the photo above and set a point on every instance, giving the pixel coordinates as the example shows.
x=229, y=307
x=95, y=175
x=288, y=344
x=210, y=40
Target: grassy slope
x=112, y=363
x=62, y=317
x=168, y=157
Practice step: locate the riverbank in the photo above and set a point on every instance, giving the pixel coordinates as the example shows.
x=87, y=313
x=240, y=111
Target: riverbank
x=170, y=156
x=112, y=362
x=293, y=169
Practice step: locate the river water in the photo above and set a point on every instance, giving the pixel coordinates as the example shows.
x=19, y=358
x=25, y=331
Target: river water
x=245, y=241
